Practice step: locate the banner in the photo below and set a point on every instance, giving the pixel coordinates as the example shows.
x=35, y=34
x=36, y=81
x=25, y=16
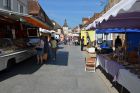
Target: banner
x=90, y=34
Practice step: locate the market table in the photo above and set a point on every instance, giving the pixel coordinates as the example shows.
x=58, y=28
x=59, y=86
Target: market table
x=100, y=61
x=129, y=80
x=110, y=66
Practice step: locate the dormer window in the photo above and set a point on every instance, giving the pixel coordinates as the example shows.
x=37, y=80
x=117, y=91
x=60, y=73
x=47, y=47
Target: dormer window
x=21, y=8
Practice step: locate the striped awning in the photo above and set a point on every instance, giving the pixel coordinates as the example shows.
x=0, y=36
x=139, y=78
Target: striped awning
x=36, y=22
x=25, y=18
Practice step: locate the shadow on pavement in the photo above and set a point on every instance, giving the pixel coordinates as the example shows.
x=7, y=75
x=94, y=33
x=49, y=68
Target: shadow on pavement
x=27, y=67
x=61, y=59
x=60, y=47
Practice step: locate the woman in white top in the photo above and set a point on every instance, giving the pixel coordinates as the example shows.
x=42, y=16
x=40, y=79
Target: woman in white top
x=40, y=50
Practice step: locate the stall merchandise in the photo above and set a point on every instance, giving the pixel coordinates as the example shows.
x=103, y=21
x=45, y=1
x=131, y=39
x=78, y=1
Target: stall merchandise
x=125, y=73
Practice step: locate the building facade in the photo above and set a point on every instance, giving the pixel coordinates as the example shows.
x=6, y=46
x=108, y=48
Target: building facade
x=10, y=20
x=20, y=6
x=36, y=10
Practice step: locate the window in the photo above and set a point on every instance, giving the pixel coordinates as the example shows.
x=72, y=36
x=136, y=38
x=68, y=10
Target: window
x=21, y=8
x=7, y=4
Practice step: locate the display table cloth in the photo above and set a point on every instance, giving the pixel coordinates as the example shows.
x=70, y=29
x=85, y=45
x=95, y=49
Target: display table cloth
x=108, y=65
x=100, y=61
x=129, y=80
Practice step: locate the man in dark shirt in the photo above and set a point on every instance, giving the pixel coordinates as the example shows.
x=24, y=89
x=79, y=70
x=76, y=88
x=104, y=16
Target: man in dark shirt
x=118, y=42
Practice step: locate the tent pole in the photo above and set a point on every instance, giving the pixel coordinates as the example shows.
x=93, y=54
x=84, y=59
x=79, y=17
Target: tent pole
x=126, y=46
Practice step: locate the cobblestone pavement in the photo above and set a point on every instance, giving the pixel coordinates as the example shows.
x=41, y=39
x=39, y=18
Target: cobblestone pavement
x=66, y=75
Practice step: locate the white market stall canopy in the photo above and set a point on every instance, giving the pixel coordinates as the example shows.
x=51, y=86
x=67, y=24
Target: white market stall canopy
x=90, y=26
x=121, y=10
x=124, y=6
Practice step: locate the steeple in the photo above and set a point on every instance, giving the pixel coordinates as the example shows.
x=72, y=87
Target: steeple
x=65, y=23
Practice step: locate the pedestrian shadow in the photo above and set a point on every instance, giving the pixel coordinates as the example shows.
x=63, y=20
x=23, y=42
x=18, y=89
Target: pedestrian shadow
x=61, y=59
x=27, y=67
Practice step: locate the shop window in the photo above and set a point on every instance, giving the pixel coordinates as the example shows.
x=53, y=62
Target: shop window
x=21, y=8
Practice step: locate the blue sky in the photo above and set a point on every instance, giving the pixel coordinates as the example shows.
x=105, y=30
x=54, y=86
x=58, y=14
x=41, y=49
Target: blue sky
x=72, y=10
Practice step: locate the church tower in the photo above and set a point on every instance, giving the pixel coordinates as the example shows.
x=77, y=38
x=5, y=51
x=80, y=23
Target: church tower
x=65, y=27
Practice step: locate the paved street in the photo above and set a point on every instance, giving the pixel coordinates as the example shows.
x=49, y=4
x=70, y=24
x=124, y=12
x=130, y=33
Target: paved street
x=66, y=75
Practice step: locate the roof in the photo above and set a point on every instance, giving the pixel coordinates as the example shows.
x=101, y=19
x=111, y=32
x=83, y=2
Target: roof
x=56, y=26
x=36, y=10
x=85, y=19
x=33, y=7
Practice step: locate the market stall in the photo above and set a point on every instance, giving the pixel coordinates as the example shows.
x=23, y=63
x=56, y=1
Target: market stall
x=123, y=63
x=15, y=45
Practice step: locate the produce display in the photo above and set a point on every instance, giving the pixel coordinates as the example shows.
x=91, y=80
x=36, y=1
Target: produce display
x=8, y=46
x=132, y=62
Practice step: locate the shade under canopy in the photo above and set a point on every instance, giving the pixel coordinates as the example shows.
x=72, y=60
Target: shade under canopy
x=128, y=20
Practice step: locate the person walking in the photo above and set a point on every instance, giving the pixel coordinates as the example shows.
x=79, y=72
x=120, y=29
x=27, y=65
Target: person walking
x=82, y=43
x=46, y=48
x=54, y=48
x=40, y=50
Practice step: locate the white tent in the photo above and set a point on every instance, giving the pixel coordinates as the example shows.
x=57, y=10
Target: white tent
x=124, y=6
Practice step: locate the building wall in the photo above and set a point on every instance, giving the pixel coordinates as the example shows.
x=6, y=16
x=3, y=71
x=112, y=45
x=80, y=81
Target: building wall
x=15, y=5
x=65, y=29
x=59, y=31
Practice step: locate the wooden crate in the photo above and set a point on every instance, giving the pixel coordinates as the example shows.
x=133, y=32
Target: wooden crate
x=90, y=64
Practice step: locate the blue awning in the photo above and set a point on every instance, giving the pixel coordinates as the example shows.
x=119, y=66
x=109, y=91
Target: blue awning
x=116, y=30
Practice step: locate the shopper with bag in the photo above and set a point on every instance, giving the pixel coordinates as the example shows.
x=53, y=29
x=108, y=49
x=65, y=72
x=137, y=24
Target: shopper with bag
x=40, y=50
x=54, y=48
